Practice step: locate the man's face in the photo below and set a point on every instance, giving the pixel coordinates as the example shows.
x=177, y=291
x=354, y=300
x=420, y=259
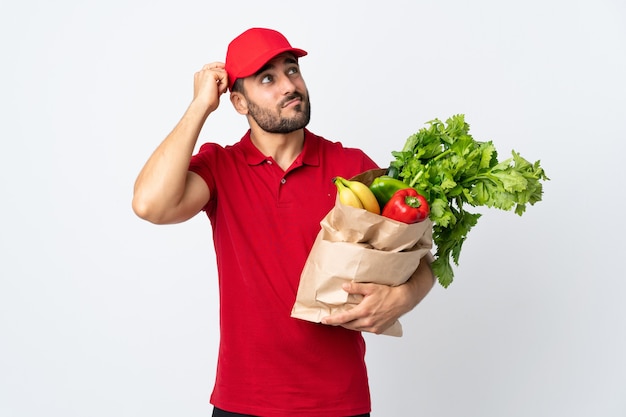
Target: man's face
x=277, y=98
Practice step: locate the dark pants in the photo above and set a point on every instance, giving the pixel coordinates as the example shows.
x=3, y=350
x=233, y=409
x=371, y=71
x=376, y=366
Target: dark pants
x=221, y=413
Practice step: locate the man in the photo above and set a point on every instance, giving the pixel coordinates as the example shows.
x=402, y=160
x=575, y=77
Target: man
x=265, y=196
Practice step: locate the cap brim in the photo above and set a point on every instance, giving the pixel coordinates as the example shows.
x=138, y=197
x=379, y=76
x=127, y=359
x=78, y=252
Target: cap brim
x=261, y=60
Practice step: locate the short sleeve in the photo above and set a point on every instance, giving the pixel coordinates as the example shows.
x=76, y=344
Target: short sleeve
x=203, y=163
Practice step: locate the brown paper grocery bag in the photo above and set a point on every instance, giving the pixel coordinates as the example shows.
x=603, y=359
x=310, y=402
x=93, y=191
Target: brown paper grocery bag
x=356, y=245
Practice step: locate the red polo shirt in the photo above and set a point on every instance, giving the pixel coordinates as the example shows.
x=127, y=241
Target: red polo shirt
x=264, y=223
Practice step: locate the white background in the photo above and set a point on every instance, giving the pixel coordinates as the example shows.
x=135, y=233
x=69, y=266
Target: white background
x=102, y=314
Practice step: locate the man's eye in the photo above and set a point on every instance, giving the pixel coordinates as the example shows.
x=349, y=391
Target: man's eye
x=293, y=70
x=266, y=79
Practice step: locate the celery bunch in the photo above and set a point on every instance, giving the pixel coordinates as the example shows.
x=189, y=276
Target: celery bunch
x=452, y=170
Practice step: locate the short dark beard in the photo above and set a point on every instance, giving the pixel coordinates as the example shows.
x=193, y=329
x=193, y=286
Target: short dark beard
x=273, y=123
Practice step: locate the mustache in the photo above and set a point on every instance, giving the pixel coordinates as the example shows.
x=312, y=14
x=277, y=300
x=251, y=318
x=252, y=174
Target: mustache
x=290, y=98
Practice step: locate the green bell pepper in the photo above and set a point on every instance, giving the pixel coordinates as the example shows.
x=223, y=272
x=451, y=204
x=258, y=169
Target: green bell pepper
x=384, y=187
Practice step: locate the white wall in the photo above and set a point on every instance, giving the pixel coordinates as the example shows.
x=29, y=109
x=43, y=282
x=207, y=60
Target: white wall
x=102, y=314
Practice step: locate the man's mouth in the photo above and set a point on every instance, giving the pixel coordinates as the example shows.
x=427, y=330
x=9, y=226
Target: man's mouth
x=291, y=100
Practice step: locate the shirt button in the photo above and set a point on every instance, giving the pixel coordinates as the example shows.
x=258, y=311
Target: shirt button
x=269, y=162
x=283, y=181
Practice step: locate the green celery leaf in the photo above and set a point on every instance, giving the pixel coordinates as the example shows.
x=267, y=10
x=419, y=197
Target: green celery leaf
x=480, y=194
x=442, y=269
x=511, y=180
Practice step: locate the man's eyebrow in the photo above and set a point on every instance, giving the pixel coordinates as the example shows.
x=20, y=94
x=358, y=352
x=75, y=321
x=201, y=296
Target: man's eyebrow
x=288, y=60
x=264, y=68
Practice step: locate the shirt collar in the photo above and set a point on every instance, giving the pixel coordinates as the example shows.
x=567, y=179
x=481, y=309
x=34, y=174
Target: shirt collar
x=308, y=156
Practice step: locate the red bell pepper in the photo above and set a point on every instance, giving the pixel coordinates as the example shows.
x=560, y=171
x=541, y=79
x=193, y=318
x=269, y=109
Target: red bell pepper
x=406, y=206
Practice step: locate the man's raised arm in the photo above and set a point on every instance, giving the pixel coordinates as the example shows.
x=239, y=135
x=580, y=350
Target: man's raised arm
x=165, y=190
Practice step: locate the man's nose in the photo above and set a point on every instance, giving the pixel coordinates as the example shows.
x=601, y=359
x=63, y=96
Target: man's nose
x=286, y=84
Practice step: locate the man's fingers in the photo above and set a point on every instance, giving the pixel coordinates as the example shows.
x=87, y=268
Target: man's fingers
x=351, y=322
x=339, y=319
x=373, y=314
x=356, y=288
x=215, y=70
x=355, y=313
x=210, y=76
x=214, y=65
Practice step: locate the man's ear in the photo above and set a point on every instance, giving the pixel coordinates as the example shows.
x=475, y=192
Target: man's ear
x=239, y=102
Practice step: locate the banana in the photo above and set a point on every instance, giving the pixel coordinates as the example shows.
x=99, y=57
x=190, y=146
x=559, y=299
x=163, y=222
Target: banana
x=364, y=194
x=346, y=195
